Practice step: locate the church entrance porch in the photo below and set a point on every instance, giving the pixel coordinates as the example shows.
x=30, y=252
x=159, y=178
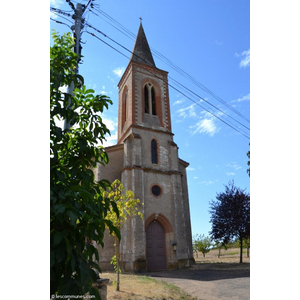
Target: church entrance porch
x=155, y=247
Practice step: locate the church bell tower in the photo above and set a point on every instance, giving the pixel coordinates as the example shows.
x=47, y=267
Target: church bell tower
x=146, y=161
x=143, y=92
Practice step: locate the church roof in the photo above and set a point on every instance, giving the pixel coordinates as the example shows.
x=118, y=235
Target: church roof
x=141, y=51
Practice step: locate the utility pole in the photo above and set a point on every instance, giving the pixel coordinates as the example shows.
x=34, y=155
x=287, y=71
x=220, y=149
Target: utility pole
x=76, y=28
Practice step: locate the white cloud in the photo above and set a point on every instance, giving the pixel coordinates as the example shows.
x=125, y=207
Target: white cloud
x=112, y=126
x=230, y=174
x=187, y=111
x=206, y=182
x=110, y=140
x=178, y=101
x=234, y=165
x=244, y=98
x=119, y=71
x=205, y=126
x=245, y=62
x=55, y=4
x=190, y=169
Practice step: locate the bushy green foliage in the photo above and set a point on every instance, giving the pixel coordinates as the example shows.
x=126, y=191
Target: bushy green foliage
x=202, y=244
x=78, y=209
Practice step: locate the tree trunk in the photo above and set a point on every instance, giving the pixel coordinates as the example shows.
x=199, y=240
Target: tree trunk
x=203, y=254
x=241, y=251
x=219, y=252
x=118, y=264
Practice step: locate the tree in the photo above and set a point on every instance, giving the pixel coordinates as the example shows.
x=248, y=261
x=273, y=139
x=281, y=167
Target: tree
x=78, y=209
x=246, y=244
x=202, y=244
x=220, y=245
x=230, y=216
x=128, y=206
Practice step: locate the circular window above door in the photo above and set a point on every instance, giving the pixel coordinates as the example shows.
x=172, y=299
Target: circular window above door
x=156, y=190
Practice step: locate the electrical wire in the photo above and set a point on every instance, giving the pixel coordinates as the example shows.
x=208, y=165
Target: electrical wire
x=176, y=82
x=59, y=22
x=160, y=56
x=99, y=31
x=197, y=103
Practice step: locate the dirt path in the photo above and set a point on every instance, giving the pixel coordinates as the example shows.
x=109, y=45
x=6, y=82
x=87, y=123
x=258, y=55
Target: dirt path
x=224, y=281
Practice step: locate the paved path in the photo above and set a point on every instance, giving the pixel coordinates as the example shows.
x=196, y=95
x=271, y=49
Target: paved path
x=211, y=281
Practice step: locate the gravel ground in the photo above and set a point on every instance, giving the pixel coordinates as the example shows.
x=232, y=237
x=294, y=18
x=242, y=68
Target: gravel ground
x=211, y=281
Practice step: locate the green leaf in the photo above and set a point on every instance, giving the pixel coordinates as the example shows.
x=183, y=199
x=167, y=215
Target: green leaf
x=73, y=216
x=60, y=253
x=58, y=236
x=52, y=258
x=59, y=208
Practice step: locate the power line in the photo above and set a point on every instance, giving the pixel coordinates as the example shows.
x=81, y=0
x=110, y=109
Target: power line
x=197, y=103
x=171, y=64
x=59, y=22
x=191, y=92
x=99, y=31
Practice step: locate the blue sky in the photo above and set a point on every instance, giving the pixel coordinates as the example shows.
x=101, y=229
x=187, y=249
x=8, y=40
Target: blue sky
x=210, y=41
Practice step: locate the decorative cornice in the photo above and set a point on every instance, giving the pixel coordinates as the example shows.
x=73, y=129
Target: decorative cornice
x=183, y=162
x=142, y=128
x=113, y=148
x=151, y=170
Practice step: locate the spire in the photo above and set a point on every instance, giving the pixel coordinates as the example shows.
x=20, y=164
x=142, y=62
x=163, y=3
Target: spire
x=141, y=51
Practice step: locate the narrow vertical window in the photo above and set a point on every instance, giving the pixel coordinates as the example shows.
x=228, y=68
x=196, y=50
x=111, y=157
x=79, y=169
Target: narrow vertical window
x=153, y=101
x=146, y=100
x=125, y=104
x=154, y=151
x=124, y=115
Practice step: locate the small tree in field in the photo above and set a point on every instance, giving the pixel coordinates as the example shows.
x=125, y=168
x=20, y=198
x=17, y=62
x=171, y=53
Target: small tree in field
x=128, y=206
x=202, y=244
x=230, y=216
x=220, y=245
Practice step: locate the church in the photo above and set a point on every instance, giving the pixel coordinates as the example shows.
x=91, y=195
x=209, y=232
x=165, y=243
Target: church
x=145, y=159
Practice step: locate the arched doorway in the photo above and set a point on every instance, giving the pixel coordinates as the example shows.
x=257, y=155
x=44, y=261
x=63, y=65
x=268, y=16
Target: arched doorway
x=155, y=247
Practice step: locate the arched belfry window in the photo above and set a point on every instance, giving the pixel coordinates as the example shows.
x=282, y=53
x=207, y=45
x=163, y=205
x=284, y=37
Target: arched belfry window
x=149, y=98
x=154, y=151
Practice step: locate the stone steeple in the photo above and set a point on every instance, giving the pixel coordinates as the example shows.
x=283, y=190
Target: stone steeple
x=141, y=51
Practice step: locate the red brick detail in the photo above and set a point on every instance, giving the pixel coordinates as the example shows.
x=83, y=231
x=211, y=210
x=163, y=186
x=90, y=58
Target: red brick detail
x=165, y=223
x=168, y=113
x=124, y=106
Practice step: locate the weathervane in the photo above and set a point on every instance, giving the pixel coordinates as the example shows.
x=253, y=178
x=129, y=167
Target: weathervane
x=141, y=19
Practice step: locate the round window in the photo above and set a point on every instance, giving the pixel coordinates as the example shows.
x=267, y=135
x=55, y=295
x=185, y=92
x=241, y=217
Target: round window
x=156, y=190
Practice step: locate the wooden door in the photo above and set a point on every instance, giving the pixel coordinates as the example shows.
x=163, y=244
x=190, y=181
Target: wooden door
x=156, y=250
